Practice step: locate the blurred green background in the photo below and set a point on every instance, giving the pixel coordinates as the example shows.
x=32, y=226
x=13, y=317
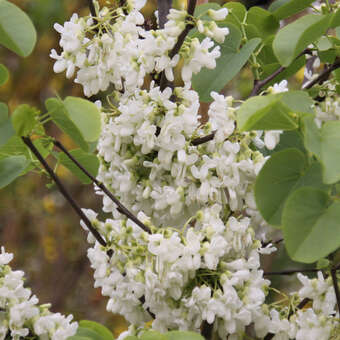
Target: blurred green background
x=36, y=224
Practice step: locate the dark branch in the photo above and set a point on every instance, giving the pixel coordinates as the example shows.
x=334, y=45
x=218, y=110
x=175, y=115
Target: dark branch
x=259, y=84
x=204, y=139
x=63, y=191
x=324, y=74
x=91, y=7
x=180, y=41
x=121, y=208
x=336, y=287
x=206, y=330
x=163, y=10
x=291, y=272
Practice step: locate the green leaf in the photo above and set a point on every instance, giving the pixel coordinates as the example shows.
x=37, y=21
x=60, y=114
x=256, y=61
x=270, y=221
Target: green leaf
x=10, y=168
x=85, y=115
x=6, y=128
x=296, y=36
x=98, y=328
x=311, y=226
x=215, y=80
x=61, y=118
x=335, y=19
x=153, y=335
x=323, y=44
x=17, y=32
x=324, y=143
x=4, y=74
x=263, y=20
x=285, y=8
x=290, y=139
x=265, y=113
x=88, y=333
x=291, y=70
x=24, y=120
x=298, y=101
x=181, y=335
x=282, y=174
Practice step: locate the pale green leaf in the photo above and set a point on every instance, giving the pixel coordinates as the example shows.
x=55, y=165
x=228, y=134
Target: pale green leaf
x=296, y=36
x=17, y=32
x=311, y=226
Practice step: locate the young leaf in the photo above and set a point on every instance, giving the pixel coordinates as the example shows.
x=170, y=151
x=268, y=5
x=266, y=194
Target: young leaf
x=3, y=74
x=311, y=226
x=10, y=168
x=6, y=128
x=98, y=328
x=85, y=115
x=17, y=32
x=227, y=66
x=324, y=143
x=60, y=116
x=281, y=175
x=285, y=8
x=296, y=36
x=24, y=120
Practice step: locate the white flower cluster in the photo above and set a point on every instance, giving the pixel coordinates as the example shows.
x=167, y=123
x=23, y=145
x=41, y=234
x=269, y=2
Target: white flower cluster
x=208, y=271
x=201, y=261
x=317, y=322
x=148, y=160
x=20, y=314
x=123, y=52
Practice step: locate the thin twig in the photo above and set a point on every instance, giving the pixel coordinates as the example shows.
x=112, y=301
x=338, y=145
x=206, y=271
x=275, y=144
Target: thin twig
x=259, y=84
x=324, y=75
x=336, y=287
x=91, y=7
x=204, y=139
x=180, y=41
x=63, y=191
x=291, y=271
x=121, y=208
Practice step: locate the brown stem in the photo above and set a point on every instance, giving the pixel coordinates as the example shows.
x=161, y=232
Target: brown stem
x=336, y=287
x=63, y=191
x=204, y=139
x=121, y=208
x=180, y=41
x=92, y=9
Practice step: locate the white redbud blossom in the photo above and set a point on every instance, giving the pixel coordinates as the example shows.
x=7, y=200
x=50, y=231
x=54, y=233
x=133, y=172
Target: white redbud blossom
x=219, y=14
x=20, y=312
